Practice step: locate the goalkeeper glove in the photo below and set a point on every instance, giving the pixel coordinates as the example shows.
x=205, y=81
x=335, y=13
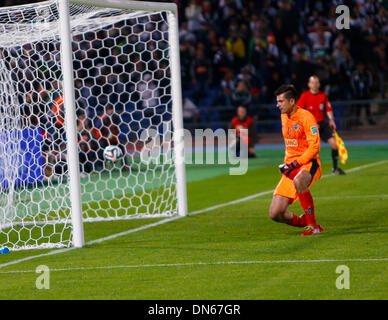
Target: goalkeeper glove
x=287, y=168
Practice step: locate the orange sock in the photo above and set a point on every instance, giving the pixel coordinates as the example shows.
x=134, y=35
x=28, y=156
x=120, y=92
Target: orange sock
x=307, y=203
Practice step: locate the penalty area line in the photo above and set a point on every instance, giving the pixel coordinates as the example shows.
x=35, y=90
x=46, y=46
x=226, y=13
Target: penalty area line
x=193, y=264
x=151, y=225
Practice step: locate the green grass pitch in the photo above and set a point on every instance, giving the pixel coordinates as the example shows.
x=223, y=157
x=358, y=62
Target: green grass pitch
x=233, y=251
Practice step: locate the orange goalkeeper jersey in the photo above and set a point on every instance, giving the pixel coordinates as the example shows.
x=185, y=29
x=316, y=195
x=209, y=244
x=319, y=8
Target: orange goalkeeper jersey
x=301, y=137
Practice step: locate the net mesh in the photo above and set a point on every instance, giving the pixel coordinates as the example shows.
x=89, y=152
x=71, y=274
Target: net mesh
x=123, y=92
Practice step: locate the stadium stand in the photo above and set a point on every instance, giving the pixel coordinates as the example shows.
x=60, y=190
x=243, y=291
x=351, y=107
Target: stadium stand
x=238, y=51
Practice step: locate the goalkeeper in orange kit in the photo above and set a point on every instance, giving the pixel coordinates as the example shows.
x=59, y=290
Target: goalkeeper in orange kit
x=301, y=167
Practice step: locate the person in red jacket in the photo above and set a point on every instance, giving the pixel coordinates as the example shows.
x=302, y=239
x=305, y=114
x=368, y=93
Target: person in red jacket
x=317, y=102
x=243, y=121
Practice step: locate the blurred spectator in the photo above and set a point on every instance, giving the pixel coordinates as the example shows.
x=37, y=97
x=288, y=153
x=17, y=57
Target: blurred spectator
x=246, y=74
x=273, y=54
x=208, y=16
x=338, y=54
x=257, y=100
x=201, y=74
x=225, y=98
x=346, y=66
x=243, y=121
x=193, y=14
x=228, y=80
x=320, y=40
x=242, y=94
x=371, y=7
x=185, y=35
x=381, y=58
x=301, y=48
x=223, y=61
x=236, y=46
x=273, y=83
x=382, y=19
x=289, y=17
x=279, y=32
x=190, y=111
x=257, y=51
x=187, y=54
x=314, y=21
x=368, y=34
x=322, y=46
x=361, y=81
x=335, y=88
x=299, y=78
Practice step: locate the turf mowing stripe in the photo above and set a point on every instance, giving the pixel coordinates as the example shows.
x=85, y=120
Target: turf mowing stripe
x=175, y=218
x=190, y=264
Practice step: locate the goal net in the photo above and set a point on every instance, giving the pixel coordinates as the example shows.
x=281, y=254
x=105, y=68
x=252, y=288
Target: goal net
x=124, y=96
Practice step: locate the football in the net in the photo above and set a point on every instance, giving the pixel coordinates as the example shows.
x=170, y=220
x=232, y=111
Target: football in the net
x=112, y=153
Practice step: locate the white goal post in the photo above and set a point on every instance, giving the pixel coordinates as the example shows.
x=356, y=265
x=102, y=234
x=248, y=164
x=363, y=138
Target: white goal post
x=75, y=77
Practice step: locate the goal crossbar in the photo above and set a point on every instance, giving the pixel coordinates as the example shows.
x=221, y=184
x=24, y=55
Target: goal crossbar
x=128, y=4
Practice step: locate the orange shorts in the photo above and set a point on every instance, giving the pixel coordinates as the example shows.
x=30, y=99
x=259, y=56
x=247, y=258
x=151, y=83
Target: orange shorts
x=286, y=186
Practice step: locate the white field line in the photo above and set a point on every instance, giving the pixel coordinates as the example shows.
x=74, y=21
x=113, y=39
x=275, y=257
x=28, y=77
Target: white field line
x=148, y=226
x=373, y=164
x=192, y=264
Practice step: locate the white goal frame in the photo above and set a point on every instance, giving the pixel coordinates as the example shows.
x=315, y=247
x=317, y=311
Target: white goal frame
x=69, y=102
